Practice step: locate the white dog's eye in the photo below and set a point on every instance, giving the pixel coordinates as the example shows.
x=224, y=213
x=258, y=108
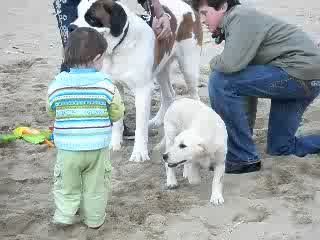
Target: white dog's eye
x=182, y=145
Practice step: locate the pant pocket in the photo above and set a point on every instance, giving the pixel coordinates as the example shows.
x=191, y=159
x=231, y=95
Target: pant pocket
x=108, y=174
x=57, y=176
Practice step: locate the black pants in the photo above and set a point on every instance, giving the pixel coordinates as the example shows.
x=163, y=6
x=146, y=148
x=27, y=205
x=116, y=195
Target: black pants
x=66, y=13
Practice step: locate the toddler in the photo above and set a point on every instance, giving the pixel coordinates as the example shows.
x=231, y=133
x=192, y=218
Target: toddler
x=84, y=103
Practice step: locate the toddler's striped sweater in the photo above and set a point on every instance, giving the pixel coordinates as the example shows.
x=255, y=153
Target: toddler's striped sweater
x=81, y=103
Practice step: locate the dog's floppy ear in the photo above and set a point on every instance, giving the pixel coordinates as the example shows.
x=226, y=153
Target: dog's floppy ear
x=202, y=147
x=118, y=18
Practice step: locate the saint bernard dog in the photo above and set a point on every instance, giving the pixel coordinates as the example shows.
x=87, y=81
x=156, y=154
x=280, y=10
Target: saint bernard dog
x=135, y=58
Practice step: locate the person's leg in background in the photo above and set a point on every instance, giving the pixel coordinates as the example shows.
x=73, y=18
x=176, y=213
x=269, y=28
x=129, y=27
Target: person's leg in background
x=284, y=120
x=289, y=101
x=242, y=155
x=251, y=104
x=66, y=13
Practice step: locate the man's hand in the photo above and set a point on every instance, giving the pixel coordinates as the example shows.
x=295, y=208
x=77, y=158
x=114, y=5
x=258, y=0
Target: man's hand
x=162, y=27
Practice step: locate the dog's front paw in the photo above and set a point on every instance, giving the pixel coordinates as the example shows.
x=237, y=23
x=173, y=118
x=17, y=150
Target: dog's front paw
x=216, y=199
x=172, y=182
x=172, y=186
x=116, y=141
x=139, y=156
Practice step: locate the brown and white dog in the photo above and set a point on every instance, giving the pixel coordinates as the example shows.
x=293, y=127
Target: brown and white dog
x=135, y=58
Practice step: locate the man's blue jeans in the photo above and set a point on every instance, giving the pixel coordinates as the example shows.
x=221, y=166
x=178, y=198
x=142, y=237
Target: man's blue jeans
x=289, y=100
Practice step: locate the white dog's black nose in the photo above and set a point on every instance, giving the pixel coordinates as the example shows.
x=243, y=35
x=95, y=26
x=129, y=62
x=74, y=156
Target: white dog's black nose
x=165, y=157
x=72, y=27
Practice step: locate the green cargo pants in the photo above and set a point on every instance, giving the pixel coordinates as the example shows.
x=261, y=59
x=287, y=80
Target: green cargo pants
x=82, y=180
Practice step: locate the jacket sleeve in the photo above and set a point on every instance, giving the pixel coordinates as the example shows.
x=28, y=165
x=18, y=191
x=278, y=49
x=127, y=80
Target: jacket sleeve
x=51, y=112
x=243, y=39
x=116, y=110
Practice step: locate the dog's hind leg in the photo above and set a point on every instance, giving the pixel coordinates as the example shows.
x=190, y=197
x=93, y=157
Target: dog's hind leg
x=188, y=55
x=216, y=194
x=167, y=96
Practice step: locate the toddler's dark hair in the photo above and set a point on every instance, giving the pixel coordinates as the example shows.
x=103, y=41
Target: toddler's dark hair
x=83, y=45
x=216, y=4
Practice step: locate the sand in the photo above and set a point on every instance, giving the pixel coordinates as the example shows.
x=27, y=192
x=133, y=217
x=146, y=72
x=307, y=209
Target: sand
x=281, y=202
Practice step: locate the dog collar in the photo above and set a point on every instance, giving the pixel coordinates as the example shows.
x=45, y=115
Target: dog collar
x=172, y=165
x=123, y=37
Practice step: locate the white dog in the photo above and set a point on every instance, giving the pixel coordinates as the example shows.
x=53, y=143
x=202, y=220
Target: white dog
x=135, y=58
x=195, y=136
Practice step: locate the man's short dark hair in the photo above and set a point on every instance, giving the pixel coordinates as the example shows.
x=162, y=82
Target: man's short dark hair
x=83, y=45
x=216, y=4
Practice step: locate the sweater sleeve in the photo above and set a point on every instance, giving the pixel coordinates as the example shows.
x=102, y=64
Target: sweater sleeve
x=116, y=110
x=243, y=39
x=50, y=111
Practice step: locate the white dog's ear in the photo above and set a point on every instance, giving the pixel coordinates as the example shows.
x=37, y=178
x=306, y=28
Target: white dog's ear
x=202, y=147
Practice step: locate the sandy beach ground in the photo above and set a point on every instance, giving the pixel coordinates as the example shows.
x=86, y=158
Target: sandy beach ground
x=281, y=202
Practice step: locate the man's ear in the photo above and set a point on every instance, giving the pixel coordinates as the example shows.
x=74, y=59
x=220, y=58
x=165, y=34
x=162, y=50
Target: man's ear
x=118, y=19
x=224, y=7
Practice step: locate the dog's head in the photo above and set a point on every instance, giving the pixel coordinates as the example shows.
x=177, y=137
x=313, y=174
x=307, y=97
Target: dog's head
x=102, y=15
x=187, y=148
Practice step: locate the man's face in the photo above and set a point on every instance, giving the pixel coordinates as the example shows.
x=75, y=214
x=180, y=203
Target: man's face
x=211, y=17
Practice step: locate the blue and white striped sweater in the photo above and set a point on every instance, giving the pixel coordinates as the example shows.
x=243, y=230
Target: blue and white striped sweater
x=80, y=100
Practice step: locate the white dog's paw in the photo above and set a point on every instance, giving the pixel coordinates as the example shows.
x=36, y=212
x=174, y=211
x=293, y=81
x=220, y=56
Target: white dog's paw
x=216, y=199
x=139, y=156
x=172, y=186
x=116, y=141
x=172, y=182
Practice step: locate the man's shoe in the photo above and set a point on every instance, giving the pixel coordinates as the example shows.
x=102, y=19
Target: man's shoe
x=254, y=167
